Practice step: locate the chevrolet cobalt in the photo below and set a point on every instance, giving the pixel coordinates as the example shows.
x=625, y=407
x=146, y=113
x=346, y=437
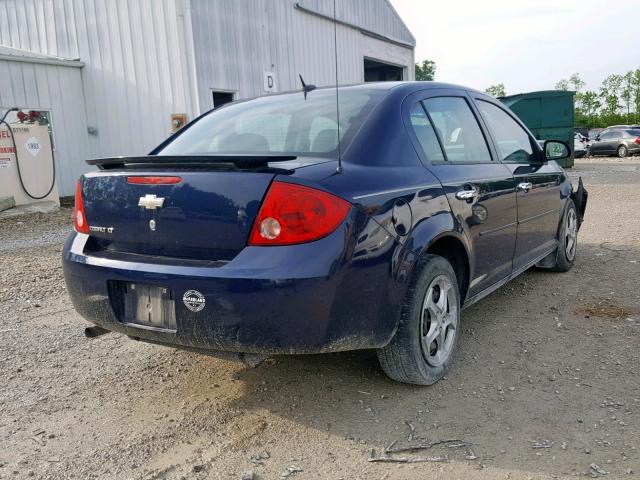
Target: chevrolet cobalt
x=276, y=226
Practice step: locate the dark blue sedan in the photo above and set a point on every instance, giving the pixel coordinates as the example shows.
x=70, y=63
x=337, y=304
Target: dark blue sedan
x=273, y=226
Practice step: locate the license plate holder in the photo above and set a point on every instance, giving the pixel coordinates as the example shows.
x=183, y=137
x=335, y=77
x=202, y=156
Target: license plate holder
x=149, y=306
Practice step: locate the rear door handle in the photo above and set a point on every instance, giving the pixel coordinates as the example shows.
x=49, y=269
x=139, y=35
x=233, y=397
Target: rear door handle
x=469, y=194
x=525, y=186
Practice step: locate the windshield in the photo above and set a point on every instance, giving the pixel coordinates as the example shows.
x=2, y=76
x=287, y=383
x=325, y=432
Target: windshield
x=279, y=124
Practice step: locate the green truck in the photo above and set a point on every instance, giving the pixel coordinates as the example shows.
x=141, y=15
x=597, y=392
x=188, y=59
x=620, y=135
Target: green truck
x=548, y=114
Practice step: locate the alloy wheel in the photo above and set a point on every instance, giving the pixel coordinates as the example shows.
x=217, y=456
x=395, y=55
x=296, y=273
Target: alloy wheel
x=439, y=323
x=622, y=151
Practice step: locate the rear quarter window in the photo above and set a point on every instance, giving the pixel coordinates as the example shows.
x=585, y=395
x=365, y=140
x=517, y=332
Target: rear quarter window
x=426, y=134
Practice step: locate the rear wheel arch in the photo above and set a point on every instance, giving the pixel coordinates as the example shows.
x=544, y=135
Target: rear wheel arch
x=451, y=248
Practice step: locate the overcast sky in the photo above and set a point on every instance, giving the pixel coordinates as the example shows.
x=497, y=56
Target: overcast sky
x=527, y=45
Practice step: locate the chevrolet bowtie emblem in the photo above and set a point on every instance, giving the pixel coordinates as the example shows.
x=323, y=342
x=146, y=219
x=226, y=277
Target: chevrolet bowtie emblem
x=151, y=202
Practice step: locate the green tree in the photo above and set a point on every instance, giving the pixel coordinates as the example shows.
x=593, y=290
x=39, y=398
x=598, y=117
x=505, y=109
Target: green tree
x=426, y=70
x=610, y=90
x=636, y=92
x=587, y=108
x=496, y=90
x=576, y=82
x=627, y=92
x=589, y=103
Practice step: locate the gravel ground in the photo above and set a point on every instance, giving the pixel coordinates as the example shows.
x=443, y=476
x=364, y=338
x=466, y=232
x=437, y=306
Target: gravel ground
x=549, y=360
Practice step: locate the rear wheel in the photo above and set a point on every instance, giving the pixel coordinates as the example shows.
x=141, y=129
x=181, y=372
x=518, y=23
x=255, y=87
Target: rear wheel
x=423, y=348
x=623, y=151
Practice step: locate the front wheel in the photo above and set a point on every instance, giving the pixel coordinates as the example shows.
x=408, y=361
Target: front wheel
x=568, y=239
x=423, y=348
x=623, y=151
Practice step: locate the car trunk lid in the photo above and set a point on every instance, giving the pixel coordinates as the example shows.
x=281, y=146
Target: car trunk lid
x=205, y=210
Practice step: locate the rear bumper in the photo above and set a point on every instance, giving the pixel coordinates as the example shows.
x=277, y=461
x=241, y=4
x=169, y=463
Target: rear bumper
x=307, y=298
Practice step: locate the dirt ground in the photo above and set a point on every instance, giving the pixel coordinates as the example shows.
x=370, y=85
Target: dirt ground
x=550, y=360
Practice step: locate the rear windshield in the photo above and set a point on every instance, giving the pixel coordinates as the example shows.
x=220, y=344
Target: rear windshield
x=634, y=132
x=279, y=124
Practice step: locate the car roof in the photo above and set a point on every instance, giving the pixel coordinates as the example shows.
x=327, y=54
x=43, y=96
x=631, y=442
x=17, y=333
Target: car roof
x=408, y=87
x=397, y=87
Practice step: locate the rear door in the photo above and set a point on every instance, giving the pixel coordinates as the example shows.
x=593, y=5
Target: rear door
x=480, y=189
x=537, y=183
x=614, y=142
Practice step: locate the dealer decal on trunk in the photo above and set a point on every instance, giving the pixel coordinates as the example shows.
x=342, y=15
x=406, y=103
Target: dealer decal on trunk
x=193, y=300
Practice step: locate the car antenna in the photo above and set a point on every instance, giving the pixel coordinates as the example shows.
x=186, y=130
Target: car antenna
x=306, y=88
x=335, y=48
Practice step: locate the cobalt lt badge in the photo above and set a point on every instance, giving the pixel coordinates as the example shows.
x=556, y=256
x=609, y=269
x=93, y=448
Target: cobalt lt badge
x=193, y=300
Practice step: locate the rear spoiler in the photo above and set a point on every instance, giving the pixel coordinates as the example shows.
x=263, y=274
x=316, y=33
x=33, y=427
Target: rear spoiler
x=204, y=161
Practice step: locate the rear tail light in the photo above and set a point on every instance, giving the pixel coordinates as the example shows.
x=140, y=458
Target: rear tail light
x=293, y=214
x=637, y=140
x=79, y=218
x=158, y=180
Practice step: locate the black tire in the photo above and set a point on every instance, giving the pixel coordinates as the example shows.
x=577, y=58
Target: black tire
x=622, y=151
x=565, y=258
x=404, y=359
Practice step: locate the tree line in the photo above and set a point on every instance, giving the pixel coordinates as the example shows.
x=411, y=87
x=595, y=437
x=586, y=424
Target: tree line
x=615, y=102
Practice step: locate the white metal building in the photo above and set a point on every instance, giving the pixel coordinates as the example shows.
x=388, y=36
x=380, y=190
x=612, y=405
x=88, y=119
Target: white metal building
x=111, y=73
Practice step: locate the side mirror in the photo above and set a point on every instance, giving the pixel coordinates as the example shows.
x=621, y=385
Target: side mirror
x=556, y=150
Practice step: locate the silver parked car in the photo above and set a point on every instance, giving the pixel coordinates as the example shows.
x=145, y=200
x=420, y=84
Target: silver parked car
x=579, y=145
x=620, y=141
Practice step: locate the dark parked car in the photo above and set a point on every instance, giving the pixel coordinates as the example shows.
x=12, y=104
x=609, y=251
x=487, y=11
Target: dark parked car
x=241, y=234
x=620, y=141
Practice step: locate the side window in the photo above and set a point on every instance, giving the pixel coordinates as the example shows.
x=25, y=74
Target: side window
x=458, y=130
x=635, y=133
x=426, y=134
x=605, y=135
x=512, y=141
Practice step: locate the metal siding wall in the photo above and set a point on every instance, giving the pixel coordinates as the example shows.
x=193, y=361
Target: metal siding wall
x=388, y=52
x=135, y=72
x=54, y=88
x=134, y=76
x=139, y=57
x=375, y=15
x=236, y=41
